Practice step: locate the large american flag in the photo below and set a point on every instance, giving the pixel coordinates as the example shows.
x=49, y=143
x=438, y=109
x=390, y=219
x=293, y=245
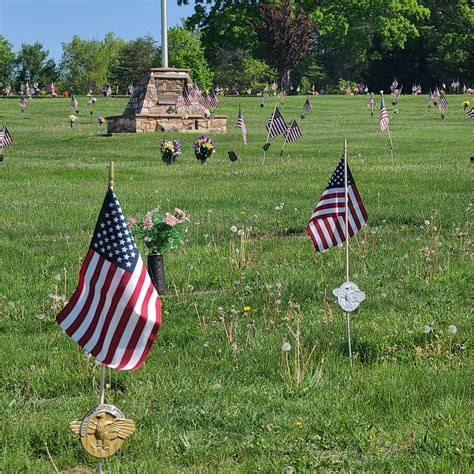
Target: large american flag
x=115, y=312
x=5, y=138
x=383, y=116
x=293, y=132
x=443, y=103
x=327, y=226
x=276, y=124
x=242, y=126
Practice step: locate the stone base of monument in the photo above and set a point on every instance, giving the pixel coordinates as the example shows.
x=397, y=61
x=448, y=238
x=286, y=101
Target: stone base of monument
x=152, y=107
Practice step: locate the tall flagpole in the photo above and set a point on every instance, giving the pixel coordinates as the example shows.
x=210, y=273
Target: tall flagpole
x=346, y=233
x=269, y=130
x=164, y=35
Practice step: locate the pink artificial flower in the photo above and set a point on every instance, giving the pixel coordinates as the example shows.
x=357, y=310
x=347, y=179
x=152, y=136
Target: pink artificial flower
x=147, y=224
x=131, y=222
x=170, y=219
x=182, y=214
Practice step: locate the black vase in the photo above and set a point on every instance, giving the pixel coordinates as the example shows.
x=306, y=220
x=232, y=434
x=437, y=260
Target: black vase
x=156, y=270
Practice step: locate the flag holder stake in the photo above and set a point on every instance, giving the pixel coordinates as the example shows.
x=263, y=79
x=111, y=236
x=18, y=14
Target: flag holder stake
x=389, y=134
x=286, y=136
x=269, y=130
x=346, y=232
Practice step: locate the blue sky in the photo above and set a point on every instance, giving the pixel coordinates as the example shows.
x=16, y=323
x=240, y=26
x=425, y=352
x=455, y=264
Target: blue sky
x=55, y=21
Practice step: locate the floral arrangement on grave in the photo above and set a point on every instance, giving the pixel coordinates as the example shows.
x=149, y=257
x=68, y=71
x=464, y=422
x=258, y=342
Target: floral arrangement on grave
x=160, y=230
x=73, y=119
x=204, y=148
x=170, y=150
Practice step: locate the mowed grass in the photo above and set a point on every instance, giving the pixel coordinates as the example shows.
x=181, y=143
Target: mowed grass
x=212, y=395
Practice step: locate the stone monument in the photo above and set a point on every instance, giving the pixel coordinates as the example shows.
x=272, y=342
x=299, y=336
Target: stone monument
x=152, y=106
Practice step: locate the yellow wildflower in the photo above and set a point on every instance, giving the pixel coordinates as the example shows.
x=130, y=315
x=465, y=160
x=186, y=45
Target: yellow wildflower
x=247, y=308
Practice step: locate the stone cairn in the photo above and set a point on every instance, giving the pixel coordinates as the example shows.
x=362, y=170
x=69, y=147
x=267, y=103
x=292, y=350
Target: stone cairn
x=152, y=107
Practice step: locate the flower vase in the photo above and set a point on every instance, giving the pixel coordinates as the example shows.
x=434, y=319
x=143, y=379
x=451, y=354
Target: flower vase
x=156, y=270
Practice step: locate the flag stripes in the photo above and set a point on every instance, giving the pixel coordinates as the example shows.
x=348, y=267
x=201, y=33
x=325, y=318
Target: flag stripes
x=242, y=126
x=276, y=124
x=470, y=113
x=115, y=311
x=293, y=132
x=443, y=103
x=5, y=138
x=384, y=120
x=327, y=226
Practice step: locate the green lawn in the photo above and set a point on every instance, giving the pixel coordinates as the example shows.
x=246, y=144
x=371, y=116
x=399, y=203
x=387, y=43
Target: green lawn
x=201, y=402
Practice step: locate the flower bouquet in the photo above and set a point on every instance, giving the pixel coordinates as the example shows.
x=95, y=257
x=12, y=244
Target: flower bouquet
x=170, y=150
x=203, y=148
x=159, y=231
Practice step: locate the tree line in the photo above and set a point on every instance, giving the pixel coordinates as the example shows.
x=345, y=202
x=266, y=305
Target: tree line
x=251, y=43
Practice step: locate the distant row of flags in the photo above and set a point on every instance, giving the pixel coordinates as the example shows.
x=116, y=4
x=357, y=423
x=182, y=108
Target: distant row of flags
x=191, y=94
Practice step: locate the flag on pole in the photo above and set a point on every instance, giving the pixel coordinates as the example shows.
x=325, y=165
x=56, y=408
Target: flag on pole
x=183, y=99
x=307, y=105
x=23, y=103
x=371, y=105
x=5, y=138
x=276, y=124
x=327, y=226
x=436, y=93
x=213, y=100
x=470, y=113
x=293, y=132
x=394, y=85
x=115, y=311
x=204, y=100
x=242, y=126
x=443, y=103
x=384, y=120
x=74, y=104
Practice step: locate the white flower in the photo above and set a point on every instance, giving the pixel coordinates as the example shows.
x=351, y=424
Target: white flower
x=286, y=347
x=57, y=277
x=427, y=222
x=241, y=232
x=427, y=329
x=452, y=329
x=233, y=229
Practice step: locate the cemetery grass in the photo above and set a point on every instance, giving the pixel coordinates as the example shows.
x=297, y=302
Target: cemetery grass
x=213, y=394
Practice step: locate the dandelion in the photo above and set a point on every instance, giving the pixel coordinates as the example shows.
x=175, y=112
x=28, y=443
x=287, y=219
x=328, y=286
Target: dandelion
x=247, y=308
x=427, y=222
x=452, y=329
x=57, y=277
x=286, y=347
x=298, y=423
x=241, y=232
x=427, y=329
x=233, y=229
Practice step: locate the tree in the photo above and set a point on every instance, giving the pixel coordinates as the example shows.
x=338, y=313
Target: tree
x=286, y=34
x=7, y=61
x=185, y=51
x=31, y=62
x=134, y=57
x=87, y=63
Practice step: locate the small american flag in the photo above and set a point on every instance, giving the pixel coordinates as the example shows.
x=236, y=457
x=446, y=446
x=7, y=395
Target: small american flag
x=213, y=100
x=183, y=99
x=470, y=113
x=371, y=103
x=327, y=226
x=74, y=103
x=23, y=103
x=276, y=124
x=242, y=126
x=293, y=132
x=383, y=116
x=430, y=97
x=115, y=312
x=394, y=85
x=307, y=105
x=5, y=138
x=443, y=103
x=204, y=100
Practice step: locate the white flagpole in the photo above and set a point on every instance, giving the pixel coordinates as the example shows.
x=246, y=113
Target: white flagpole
x=346, y=232
x=269, y=130
x=164, y=35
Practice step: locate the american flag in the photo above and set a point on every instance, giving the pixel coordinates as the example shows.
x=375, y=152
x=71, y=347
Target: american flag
x=23, y=103
x=443, y=103
x=371, y=103
x=204, y=100
x=436, y=93
x=115, y=312
x=5, y=138
x=383, y=116
x=430, y=97
x=183, y=99
x=74, y=103
x=194, y=93
x=394, y=85
x=242, y=126
x=276, y=124
x=307, y=105
x=293, y=132
x=327, y=226
x=213, y=100
x=471, y=113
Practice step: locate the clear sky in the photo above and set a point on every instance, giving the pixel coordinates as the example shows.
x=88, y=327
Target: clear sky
x=53, y=22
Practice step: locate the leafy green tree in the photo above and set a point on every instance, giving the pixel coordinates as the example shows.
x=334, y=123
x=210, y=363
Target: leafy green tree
x=185, y=51
x=133, y=58
x=7, y=61
x=87, y=63
x=31, y=62
x=257, y=74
